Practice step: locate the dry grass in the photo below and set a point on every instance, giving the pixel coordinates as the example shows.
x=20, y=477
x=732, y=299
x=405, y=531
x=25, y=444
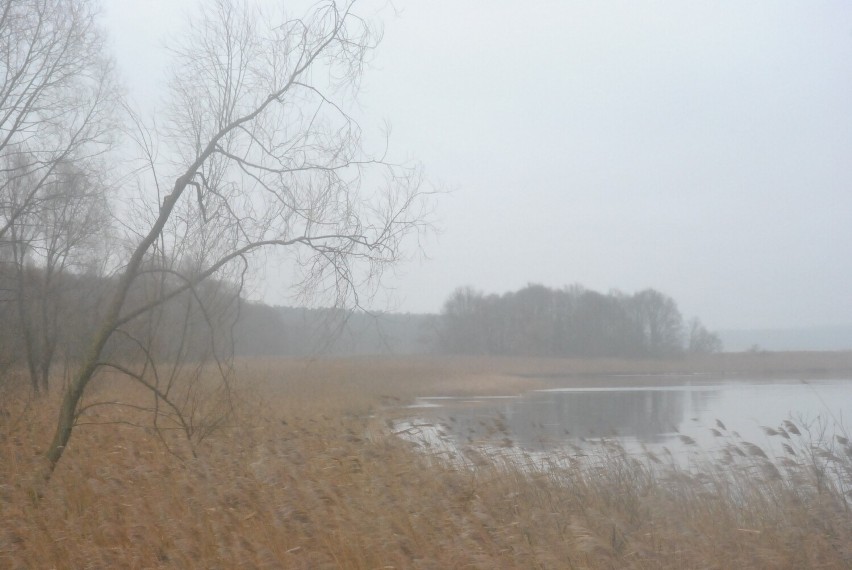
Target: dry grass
x=306, y=475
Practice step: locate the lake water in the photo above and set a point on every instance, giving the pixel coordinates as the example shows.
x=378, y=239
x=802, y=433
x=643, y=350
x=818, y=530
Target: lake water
x=664, y=416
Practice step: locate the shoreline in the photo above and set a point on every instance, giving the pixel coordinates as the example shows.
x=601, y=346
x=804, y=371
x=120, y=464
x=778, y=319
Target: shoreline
x=499, y=375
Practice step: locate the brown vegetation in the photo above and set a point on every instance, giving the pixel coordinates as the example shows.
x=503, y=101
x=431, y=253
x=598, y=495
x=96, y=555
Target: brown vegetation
x=306, y=474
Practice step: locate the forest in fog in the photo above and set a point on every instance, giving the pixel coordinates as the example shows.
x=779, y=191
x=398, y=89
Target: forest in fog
x=48, y=315
x=573, y=321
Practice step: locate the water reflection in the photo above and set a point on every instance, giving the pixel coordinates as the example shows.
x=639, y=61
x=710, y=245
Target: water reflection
x=640, y=416
x=543, y=420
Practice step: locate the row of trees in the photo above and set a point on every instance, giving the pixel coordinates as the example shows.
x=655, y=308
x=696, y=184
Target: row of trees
x=573, y=321
x=125, y=241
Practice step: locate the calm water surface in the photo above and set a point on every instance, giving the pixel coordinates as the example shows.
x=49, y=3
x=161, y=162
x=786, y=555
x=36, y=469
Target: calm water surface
x=651, y=416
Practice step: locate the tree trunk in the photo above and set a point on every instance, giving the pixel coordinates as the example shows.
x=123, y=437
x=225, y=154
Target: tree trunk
x=74, y=392
x=68, y=411
x=48, y=333
x=26, y=324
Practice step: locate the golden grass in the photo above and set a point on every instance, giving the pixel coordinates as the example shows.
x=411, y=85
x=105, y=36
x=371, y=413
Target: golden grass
x=307, y=475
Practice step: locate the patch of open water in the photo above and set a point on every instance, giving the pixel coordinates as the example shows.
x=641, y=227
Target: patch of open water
x=691, y=417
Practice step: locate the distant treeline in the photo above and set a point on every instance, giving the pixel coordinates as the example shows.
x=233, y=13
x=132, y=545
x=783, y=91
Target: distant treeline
x=295, y=331
x=570, y=322
x=49, y=318
x=535, y=321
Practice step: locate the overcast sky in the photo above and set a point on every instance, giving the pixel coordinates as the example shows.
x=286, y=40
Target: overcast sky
x=703, y=149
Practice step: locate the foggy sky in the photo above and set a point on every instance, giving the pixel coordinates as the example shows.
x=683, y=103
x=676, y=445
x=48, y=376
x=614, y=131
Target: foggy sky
x=702, y=149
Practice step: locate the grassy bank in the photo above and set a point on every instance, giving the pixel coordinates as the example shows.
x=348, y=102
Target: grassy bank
x=305, y=474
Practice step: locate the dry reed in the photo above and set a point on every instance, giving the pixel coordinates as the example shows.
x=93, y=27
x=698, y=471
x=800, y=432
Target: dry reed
x=305, y=474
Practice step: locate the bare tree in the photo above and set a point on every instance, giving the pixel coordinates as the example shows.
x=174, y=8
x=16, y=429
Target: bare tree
x=50, y=239
x=464, y=329
x=57, y=103
x=57, y=98
x=263, y=155
x=659, y=321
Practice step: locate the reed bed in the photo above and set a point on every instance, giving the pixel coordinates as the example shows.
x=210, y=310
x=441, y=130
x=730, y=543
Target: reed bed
x=306, y=473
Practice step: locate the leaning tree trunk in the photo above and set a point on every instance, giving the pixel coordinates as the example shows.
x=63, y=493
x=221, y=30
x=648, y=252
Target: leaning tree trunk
x=75, y=390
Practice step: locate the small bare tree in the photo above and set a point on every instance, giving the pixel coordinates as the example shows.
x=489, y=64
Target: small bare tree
x=263, y=155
